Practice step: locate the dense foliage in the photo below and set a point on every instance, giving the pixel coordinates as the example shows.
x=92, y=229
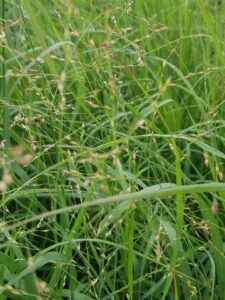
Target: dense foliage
x=102, y=98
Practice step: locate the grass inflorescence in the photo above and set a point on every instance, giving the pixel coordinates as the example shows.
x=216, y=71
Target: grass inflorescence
x=112, y=149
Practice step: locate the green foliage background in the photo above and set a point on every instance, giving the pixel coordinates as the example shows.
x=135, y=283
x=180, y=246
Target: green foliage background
x=102, y=98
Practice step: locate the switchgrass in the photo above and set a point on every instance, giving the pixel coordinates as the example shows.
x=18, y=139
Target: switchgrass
x=112, y=149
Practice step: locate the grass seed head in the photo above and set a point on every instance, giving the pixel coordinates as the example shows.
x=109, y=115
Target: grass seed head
x=215, y=206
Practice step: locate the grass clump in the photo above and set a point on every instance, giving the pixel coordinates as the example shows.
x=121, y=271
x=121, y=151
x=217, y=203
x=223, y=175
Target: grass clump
x=112, y=150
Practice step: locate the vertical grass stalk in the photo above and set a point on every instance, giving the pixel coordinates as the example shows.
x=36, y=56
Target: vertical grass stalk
x=6, y=116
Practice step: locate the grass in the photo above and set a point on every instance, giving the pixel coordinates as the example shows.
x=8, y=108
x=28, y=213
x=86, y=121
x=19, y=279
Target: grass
x=112, y=149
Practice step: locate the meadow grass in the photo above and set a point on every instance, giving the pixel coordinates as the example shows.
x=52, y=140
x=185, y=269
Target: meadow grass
x=112, y=149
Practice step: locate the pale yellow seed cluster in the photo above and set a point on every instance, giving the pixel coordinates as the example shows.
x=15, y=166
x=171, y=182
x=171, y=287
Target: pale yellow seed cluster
x=206, y=160
x=5, y=182
x=202, y=225
x=219, y=173
x=215, y=206
x=129, y=6
x=18, y=154
x=60, y=86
